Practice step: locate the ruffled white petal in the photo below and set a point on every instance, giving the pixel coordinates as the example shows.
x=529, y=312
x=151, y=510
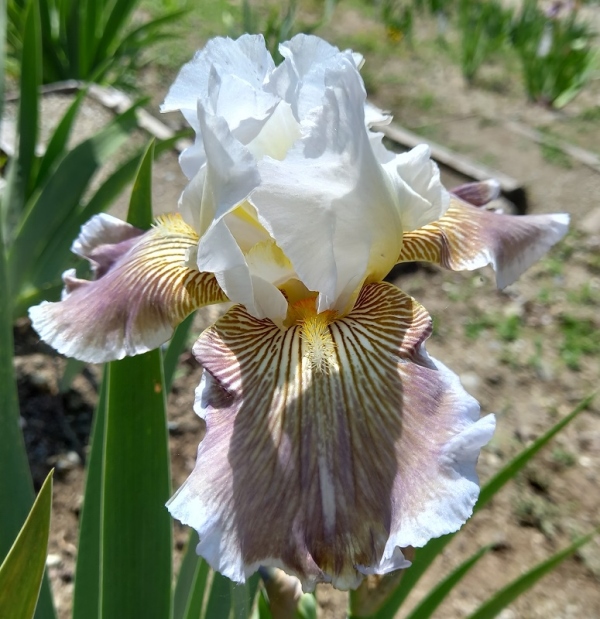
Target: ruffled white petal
x=415, y=179
x=245, y=61
x=277, y=135
x=327, y=204
x=229, y=176
x=219, y=253
x=300, y=78
x=295, y=141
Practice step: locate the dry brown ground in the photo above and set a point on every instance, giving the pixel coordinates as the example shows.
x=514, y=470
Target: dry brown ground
x=510, y=348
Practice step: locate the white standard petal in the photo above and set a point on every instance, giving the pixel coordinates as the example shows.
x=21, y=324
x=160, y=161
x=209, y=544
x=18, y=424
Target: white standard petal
x=277, y=135
x=327, y=204
x=226, y=79
x=219, y=253
x=416, y=180
x=300, y=78
x=227, y=179
x=246, y=58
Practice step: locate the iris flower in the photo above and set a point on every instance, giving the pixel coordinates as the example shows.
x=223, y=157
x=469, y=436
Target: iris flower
x=333, y=440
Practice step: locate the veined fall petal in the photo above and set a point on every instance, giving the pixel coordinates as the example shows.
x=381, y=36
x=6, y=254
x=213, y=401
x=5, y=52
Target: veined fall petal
x=468, y=238
x=331, y=445
x=143, y=291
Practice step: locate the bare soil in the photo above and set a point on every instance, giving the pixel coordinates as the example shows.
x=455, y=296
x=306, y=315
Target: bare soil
x=529, y=353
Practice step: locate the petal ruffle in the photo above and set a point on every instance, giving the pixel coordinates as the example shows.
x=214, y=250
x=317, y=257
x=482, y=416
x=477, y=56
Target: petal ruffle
x=329, y=446
x=143, y=291
x=328, y=205
x=221, y=75
x=227, y=178
x=468, y=238
x=415, y=178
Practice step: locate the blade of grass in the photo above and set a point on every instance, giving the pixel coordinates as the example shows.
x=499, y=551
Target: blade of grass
x=175, y=348
x=2, y=56
x=499, y=601
x=425, y=556
x=86, y=596
x=307, y=607
x=148, y=29
x=140, y=205
x=53, y=59
x=16, y=488
x=20, y=167
x=263, y=610
x=436, y=596
x=241, y=600
x=219, y=598
x=188, y=599
x=22, y=571
x=58, y=142
x=72, y=369
x=113, y=26
x=90, y=15
x=136, y=527
x=72, y=35
x=31, y=78
x=242, y=597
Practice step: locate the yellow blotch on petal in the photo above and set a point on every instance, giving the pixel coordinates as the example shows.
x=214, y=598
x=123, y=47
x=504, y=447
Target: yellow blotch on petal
x=173, y=223
x=319, y=348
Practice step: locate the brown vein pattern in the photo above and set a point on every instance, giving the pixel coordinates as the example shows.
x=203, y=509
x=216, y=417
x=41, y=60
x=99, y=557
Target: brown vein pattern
x=143, y=294
x=316, y=471
x=468, y=238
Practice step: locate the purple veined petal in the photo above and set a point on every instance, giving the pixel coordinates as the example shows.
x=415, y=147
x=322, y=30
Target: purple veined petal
x=102, y=240
x=479, y=193
x=330, y=446
x=468, y=238
x=143, y=291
